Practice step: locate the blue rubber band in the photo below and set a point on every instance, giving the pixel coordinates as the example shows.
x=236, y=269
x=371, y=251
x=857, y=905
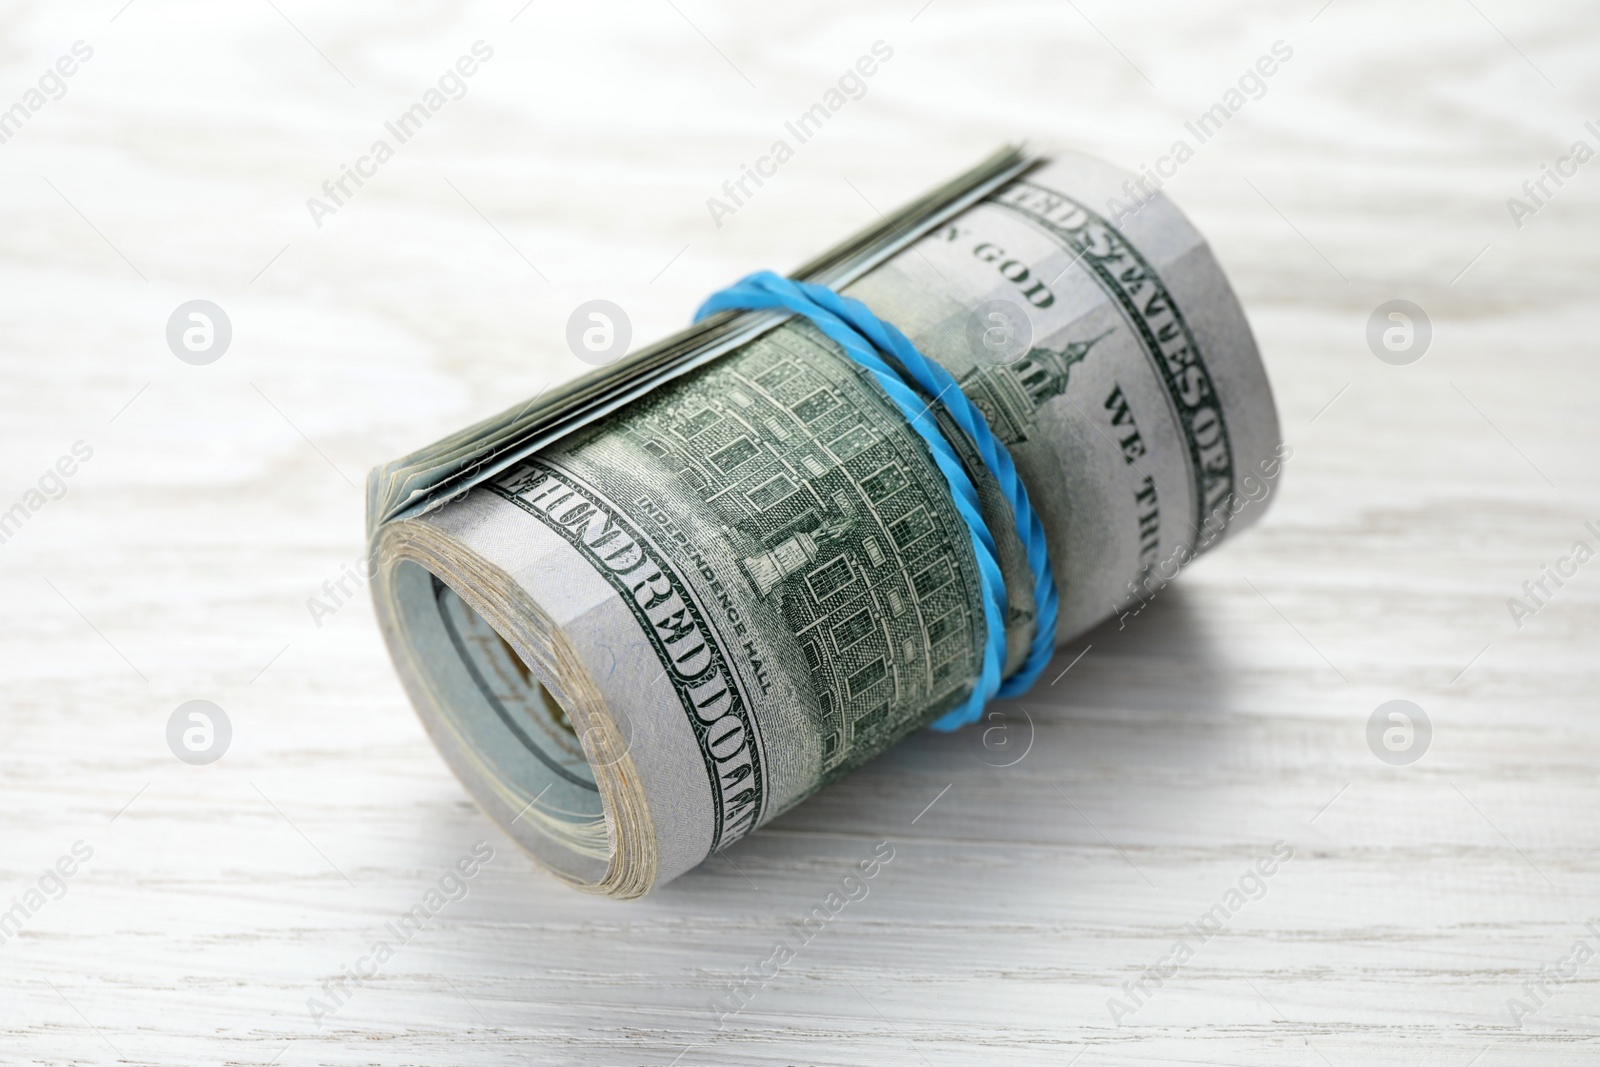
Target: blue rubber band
x=867, y=339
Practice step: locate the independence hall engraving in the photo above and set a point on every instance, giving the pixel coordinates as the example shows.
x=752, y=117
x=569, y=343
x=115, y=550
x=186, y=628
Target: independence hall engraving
x=840, y=519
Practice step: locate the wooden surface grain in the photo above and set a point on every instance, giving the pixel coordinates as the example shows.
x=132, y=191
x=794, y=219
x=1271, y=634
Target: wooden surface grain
x=1228, y=716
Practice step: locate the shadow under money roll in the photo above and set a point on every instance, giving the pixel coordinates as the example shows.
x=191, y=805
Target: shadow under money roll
x=650, y=614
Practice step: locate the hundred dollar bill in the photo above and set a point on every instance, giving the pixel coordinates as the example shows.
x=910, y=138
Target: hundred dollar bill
x=643, y=621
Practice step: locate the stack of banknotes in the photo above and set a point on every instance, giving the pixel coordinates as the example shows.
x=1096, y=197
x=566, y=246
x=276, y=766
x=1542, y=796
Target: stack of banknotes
x=647, y=612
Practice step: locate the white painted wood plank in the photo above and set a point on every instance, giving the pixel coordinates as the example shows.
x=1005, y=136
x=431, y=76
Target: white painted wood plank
x=1230, y=715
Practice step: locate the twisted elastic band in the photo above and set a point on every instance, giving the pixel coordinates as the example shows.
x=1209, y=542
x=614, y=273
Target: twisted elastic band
x=867, y=340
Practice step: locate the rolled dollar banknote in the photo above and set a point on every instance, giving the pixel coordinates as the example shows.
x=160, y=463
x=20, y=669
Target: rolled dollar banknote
x=670, y=605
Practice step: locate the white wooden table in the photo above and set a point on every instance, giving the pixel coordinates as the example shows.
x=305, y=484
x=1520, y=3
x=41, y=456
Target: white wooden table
x=1230, y=715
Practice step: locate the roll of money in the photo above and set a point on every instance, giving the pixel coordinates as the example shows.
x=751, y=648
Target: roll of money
x=646, y=616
